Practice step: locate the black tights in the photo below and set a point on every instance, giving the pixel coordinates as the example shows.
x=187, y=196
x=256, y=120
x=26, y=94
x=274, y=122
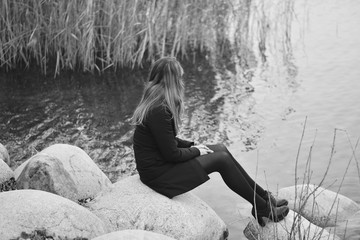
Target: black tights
x=233, y=174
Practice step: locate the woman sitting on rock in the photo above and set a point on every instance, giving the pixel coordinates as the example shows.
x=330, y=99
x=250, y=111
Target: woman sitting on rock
x=172, y=166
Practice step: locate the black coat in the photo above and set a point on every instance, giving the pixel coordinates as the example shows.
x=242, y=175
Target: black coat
x=162, y=159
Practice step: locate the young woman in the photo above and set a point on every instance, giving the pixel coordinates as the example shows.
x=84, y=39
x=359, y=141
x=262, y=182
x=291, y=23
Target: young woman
x=172, y=166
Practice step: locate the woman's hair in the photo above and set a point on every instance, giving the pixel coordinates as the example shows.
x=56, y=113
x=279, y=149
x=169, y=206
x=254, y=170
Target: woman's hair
x=164, y=88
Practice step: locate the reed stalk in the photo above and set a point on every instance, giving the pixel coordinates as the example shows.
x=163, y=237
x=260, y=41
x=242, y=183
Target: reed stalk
x=302, y=197
x=301, y=201
x=95, y=35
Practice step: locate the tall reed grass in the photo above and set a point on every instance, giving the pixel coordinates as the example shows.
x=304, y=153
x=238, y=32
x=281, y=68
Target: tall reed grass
x=95, y=34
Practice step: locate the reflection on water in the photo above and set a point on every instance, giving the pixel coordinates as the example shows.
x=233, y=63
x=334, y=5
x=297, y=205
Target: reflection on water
x=325, y=90
x=317, y=80
x=93, y=112
x=80, y=109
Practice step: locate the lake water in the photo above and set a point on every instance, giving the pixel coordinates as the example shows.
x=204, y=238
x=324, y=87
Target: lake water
x=261, y=121
x=319, y=86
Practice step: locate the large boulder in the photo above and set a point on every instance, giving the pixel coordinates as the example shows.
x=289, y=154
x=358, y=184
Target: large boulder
x=133, y=235
x=47, y=173
x=4, y=154
x=23, y=212
x=294, y=226
x=7, y=180
x=65, y=170
x=5, y=172
x=320, y=206
x=132, y=205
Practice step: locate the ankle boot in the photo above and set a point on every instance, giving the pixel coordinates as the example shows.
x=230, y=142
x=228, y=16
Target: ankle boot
x=275, y=214
x=276, y=203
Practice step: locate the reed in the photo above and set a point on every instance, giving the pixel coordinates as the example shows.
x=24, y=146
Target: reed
x=96, y=35
x=304, y=198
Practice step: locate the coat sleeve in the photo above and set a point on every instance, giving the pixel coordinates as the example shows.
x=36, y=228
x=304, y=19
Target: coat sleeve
x=160, y=123
x=184, y=143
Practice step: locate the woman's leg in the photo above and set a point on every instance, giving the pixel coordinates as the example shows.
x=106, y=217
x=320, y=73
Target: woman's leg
x=234, y=178
x=222, y=148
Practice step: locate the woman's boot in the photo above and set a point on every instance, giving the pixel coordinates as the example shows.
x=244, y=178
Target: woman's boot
x=276, y=203
x=275, y=214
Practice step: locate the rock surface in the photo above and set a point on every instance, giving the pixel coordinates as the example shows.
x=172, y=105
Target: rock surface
x=4, y=154
x=7, y=177
x=47, y=173
x=322, y=207
x=5, y=172
x=26, y=211
x=292, y=227
x=133, y=235
x=83, y=173
x=132, y=205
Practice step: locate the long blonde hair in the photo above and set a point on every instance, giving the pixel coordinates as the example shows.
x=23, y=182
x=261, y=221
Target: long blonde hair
x=164, y=88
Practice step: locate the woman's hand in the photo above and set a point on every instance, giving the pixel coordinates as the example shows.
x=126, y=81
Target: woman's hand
x=203, y=149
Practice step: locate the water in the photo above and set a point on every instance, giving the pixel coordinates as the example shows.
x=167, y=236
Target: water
x=261, y=121
x=326, y=89
x=80, y=109
x=318, y=83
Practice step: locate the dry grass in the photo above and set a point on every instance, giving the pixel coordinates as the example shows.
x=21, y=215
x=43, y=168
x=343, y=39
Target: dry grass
x=95, y=34
x=304, y=197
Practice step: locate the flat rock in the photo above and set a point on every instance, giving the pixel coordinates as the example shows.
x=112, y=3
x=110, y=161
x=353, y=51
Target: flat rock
x=5, y=172
x=133, y=235
x=294, y=226
x=133, y=205
x=4, y=154
x=320, y=206
x=26, y=211
x=81, y=170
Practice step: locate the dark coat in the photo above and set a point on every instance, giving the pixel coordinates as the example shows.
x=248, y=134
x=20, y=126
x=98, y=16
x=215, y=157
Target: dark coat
x=165, y=163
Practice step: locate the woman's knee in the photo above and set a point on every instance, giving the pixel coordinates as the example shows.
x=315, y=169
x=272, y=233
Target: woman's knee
x=218, y=147
x=225, y=160
x=216, y=162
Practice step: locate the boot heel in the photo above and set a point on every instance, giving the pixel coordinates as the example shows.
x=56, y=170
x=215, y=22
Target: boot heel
x=275, y=214
x=260, y=221
x=258, y=217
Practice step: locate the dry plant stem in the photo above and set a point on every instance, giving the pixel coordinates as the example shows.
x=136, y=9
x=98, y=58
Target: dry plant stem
x=296, y=228
x=303, y=202
x=256, y=171
x=308, y=172
x=337, y=193
x=296, y=165
x=345, y=228
x=352, y=156
x=353, y=152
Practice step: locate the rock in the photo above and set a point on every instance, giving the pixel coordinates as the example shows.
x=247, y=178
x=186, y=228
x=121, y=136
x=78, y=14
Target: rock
x=23, y=212
x=294, y=226
x=320, y=206
x=7, y=180
x=133, y=235
x=5, y=172
x=4, y=155
x=47, y=173
x=132, y=205
x=61, y=161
